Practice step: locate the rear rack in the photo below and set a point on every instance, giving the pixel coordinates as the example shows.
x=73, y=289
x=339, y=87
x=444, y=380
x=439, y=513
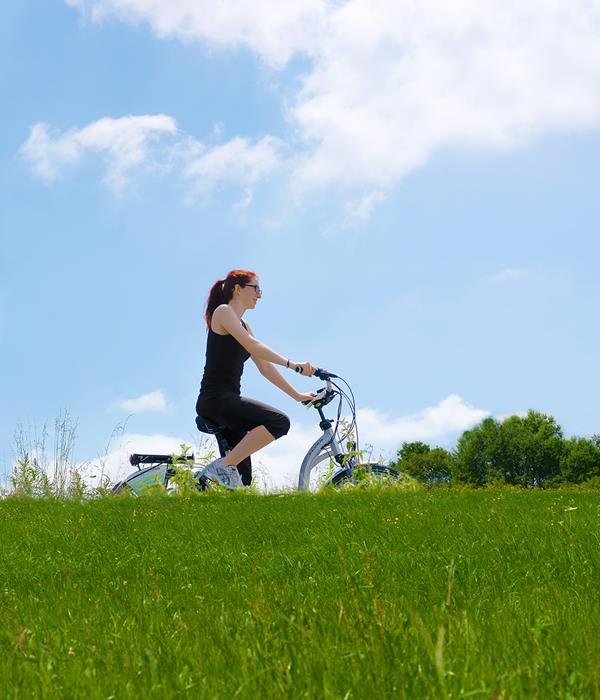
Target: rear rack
x=136, y=459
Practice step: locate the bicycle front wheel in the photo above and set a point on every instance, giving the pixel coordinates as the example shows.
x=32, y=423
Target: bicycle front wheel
x=367, y=475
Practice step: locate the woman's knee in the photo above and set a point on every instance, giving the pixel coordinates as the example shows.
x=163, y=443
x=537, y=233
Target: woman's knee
x=278, y=425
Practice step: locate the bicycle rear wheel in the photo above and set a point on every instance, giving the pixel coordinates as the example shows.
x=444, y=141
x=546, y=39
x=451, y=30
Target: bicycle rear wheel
x=367, y=475
x=158, y=478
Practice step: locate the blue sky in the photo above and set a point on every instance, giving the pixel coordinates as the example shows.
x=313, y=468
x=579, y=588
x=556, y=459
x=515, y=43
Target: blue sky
x=417, y=192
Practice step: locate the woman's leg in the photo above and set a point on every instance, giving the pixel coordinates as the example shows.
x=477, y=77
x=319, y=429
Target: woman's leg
x=254, y=440
x=263, y=424
x=245, y=466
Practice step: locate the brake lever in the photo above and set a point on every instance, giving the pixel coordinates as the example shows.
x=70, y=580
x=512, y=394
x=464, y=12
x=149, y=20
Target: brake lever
x=321, y=394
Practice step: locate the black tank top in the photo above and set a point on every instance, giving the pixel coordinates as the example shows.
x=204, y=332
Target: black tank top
x=225, y=359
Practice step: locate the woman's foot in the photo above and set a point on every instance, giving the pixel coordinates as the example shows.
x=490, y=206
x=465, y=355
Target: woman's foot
x=223, y=474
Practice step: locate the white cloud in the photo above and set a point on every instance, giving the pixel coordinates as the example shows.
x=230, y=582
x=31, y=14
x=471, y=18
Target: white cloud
x=355, y=212
x=510, y=273
x=396, y=81
x=436, y=423
x=124, y=142
x=393, y=82
x=274, y=29
x=238, y=160
x=153, y=401
x=131, y=142
x=358, y=210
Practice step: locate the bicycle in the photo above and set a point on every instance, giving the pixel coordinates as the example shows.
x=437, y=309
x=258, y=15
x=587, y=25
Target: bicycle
x=341, y=449
x=339, y=444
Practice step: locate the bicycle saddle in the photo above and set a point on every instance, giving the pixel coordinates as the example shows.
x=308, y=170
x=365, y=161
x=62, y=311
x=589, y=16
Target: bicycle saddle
x=206, y=426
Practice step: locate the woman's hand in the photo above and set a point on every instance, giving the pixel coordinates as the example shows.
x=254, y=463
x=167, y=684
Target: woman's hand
x=306, y=368
x=309, y=396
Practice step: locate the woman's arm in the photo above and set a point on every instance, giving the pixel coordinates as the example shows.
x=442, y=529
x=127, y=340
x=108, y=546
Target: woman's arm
x=270, y=372
x=225, y=317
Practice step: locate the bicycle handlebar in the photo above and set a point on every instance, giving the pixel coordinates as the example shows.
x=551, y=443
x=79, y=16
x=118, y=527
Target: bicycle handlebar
x=324, y=375
x=320, y=373
x=322, y=398
x=325, y=395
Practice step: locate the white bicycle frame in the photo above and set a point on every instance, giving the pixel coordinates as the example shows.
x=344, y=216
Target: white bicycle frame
x=326, y=447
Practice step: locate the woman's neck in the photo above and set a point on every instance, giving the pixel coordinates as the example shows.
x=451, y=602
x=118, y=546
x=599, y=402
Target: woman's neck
x=237, y=307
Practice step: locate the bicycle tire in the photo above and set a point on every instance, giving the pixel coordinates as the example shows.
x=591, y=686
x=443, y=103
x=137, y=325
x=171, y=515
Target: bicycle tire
x=369, y=474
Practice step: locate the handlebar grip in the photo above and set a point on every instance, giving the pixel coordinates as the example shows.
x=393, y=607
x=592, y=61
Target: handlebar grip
x=324, y=375
x=298, y=369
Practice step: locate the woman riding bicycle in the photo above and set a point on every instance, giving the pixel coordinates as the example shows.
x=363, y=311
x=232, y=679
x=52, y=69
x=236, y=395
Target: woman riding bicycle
x=249, y=425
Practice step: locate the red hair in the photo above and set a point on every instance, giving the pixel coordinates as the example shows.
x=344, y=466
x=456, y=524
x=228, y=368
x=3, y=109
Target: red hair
x=222, y=291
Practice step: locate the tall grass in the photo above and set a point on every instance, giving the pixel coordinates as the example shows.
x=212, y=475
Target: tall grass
x=375, y=593
x=44, y=464
x=42, y=471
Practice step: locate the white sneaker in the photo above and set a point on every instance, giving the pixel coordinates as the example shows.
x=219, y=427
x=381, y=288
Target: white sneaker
x=221, y=473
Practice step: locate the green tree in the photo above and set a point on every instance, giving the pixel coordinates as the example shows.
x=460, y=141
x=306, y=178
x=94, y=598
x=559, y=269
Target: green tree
x=525, y=451
x=533, y=447
x=479, y=454
x=580, y=460
x=427, y=465
x=409, y=449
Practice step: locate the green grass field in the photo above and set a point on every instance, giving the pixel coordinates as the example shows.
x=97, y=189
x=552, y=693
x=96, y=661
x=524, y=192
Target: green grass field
x=489, y=594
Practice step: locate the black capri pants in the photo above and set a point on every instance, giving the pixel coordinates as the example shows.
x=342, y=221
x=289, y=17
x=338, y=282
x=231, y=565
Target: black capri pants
x=238, y=415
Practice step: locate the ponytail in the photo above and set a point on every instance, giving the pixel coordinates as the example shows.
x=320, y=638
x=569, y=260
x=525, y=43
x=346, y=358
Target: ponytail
x=222, y=291
x=216, y=297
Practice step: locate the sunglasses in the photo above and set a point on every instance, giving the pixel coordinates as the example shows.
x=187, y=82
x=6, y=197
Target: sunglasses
x=257, y=289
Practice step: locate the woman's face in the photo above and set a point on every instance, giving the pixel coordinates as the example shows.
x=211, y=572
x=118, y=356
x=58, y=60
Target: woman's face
x=251, y=292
